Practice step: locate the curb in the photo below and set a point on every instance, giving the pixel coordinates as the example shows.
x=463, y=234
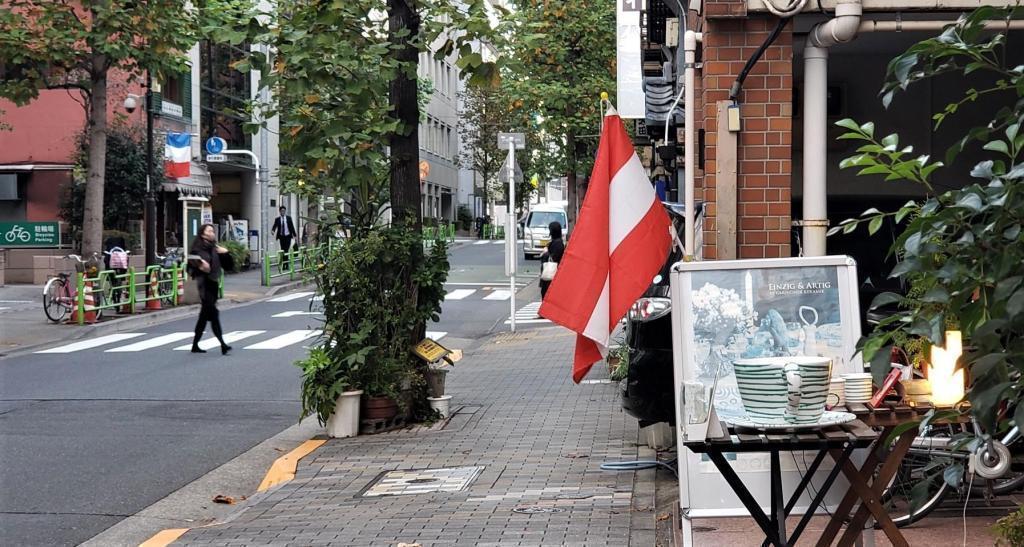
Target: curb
x=281, y=471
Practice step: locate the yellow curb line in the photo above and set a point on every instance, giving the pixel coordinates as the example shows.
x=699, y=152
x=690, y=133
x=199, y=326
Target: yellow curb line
x=164, y=538
x=282, y=470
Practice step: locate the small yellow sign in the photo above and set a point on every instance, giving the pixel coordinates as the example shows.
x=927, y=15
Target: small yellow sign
x=430, y=351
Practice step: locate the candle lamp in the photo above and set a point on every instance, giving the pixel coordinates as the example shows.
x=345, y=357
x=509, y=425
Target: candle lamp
x=947, y=382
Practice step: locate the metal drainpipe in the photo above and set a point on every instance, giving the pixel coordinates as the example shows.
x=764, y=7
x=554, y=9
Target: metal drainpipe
x=690, y=40
x=840, y=29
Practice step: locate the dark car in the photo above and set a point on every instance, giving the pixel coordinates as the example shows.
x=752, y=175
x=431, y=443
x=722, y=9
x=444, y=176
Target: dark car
x=648, y=390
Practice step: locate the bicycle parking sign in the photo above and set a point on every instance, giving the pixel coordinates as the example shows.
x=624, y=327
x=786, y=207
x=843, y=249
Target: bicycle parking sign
x=29, y=234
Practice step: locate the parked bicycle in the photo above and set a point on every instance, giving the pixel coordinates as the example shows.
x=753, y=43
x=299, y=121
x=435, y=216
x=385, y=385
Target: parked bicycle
x=980, y=465
x=60, y=294
x=166, y=278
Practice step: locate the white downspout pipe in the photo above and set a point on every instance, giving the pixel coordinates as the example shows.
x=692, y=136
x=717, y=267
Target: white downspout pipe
x=838, y=30
x=690, y=39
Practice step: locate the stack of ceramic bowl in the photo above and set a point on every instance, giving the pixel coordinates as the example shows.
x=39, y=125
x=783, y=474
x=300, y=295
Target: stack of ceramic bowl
x=918, y=391
x=857, y=387
x=835, y=387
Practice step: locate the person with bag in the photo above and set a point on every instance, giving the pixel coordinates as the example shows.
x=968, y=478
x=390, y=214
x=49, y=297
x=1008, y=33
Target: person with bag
x=205, y=268
x=550, y=258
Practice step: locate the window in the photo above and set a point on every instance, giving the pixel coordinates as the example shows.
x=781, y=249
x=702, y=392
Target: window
x=9, y=187
x=224, y=93
x=448, y=143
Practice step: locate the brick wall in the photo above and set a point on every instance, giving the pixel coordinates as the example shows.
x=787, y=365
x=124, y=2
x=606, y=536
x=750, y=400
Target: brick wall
x=764, y=154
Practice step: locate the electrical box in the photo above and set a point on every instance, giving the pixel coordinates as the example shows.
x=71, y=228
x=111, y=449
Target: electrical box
x=672, y=32
x=734, y=118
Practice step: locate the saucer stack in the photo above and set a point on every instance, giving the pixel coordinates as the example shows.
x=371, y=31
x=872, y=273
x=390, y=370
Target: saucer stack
x=857, y=387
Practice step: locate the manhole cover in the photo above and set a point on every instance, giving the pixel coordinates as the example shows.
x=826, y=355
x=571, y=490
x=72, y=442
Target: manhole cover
x=535, y=509
x=422, y=481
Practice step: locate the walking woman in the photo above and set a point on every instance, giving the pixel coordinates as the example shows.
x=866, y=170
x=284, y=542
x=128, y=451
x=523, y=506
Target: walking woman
x=553, y=253
x=205, y=266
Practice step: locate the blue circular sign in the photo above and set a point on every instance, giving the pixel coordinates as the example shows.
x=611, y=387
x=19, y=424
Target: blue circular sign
x=214, y=145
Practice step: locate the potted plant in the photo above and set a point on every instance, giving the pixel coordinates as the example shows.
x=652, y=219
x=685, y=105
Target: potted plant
x=327, y=392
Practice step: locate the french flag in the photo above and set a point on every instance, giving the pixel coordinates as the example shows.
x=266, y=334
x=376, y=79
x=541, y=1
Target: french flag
x=620, y=243
x=177, y=155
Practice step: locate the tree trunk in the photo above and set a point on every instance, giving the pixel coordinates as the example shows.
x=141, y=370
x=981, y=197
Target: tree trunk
x=405, y=149
x=92, y=213
x=573, y=205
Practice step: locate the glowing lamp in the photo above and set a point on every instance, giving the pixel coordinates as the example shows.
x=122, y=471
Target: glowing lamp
x=947, y=382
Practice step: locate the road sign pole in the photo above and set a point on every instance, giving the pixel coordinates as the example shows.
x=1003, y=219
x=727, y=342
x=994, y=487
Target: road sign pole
x=510, y=233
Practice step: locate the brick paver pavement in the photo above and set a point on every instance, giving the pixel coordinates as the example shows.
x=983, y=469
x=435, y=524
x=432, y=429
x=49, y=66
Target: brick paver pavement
x=539, y=438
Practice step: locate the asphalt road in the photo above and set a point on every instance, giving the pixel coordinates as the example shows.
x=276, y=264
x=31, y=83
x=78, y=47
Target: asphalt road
x=95, y=430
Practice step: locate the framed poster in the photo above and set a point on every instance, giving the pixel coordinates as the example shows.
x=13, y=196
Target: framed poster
x=726, y=310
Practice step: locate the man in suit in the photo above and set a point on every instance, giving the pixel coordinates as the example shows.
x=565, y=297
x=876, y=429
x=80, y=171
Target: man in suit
x=284, y=231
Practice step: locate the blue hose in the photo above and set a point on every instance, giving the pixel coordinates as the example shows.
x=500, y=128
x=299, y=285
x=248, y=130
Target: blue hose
x=638, y=465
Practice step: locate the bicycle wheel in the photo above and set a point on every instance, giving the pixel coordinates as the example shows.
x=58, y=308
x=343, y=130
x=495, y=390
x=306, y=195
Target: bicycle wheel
x=56, y=302
x=920, y=475
x=166, y=287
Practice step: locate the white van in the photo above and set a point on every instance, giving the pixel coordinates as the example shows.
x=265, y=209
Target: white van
x=535, y=228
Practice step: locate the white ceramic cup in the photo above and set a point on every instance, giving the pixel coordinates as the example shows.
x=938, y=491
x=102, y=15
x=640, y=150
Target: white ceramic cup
x=793, y=389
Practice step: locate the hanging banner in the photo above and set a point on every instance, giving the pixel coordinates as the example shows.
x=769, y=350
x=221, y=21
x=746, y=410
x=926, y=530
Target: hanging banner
x=629, y=99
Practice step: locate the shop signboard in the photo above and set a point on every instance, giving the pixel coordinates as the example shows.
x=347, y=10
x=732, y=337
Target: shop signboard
x=29, y=234
x=732, y=309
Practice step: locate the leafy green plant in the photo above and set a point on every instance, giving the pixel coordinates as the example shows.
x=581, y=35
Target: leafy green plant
x=239, y=254
x=960, y=250
x=1009, y=530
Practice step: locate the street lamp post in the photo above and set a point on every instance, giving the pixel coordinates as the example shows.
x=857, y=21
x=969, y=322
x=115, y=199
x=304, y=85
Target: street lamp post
x=130, y=103
x=150, y=194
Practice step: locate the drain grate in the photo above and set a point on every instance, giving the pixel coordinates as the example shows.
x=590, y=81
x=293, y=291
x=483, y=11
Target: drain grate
x=536, y=509
x=422, y=481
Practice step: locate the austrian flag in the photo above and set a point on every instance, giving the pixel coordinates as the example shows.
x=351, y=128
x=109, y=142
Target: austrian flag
x=177, y=155
x=620, y=242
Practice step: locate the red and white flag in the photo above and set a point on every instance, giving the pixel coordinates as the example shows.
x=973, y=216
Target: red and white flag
x=620, y=242
x=177, y=155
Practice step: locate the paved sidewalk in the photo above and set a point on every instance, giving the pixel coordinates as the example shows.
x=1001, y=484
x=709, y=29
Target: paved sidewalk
x=538, y=438
x=26, y=326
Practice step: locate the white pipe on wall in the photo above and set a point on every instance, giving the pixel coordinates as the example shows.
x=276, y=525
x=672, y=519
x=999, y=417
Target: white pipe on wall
x=910, y=26
x=690, y=39
x=838, y=30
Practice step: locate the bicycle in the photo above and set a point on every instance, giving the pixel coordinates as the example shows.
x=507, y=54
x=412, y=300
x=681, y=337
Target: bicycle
x=942, y=450
x=166, y=279
x=60, y=294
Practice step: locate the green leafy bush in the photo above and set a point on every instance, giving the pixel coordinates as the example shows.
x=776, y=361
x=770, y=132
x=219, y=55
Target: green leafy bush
x=239, y=254
x=1009, y=530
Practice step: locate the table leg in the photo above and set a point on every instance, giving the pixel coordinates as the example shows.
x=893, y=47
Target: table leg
x=748, y=500
x=820, y=495
x=872, y=503
x=846, y=505
x=800, y=490
x=778, y=509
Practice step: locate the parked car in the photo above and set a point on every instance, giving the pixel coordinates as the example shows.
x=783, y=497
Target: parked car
x=535, y=229
x=648, y=390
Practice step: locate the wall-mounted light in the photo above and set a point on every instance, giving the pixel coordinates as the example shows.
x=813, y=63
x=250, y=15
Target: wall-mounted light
x=947, y=382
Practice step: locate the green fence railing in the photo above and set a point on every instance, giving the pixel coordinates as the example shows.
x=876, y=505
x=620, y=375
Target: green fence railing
x=111, y=290
x=294, y=262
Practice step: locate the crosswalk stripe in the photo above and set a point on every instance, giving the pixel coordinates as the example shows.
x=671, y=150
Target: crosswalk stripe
x=436, y=335
x=501, y=294
x=532, y=321
x=152, y=342
x=93, y=343
x=229, y=337
x=294, y=313
x=286, y=339
x=498, y=242
x=482, y=242
x=292, y=296
x=317, y=298
x=498, y=283
x=459, y=294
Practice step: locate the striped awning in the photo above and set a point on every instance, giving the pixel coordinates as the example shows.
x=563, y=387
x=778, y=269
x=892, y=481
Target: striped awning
x=197, y=185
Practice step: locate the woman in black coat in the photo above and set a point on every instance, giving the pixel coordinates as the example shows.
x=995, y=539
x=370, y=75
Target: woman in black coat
x=205, y=265
x=553, y=252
